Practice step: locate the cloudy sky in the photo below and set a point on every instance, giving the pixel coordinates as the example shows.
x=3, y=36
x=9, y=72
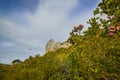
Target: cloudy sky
x=26, y=25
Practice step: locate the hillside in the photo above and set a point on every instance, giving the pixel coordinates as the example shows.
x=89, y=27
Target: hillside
x=92, y=56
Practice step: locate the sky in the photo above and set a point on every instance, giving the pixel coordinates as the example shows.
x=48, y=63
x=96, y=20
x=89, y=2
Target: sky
x=27, y=25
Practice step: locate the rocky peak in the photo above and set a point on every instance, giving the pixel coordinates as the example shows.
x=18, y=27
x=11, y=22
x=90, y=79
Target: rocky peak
x=51, y=45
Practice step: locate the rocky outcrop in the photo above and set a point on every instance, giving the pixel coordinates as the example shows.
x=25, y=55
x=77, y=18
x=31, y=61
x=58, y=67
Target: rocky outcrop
x=51, y=45
x=64, y=45
x=57, y=45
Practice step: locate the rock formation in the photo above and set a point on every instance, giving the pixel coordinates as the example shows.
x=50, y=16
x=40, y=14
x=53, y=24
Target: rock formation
x=64, y=45
x=51, y=45
x=57, y=45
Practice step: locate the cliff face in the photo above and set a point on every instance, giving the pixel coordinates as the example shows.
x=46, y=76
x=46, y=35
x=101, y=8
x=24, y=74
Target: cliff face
x=51, y=45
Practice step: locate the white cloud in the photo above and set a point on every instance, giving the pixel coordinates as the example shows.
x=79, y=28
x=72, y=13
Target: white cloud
x=51, y=13
x=49, y=21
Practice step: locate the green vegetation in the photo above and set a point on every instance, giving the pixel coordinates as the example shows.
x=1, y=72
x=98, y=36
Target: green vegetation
x=93, y=56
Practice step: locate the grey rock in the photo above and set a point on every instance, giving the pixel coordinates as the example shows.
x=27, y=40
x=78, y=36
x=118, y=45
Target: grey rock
x=57, y=45
x=50, y=45
x=65, y=45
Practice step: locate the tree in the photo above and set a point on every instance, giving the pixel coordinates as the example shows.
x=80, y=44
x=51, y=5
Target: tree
x=75, y=34
x=16, y=61
x=111, y=9
x=77, y=30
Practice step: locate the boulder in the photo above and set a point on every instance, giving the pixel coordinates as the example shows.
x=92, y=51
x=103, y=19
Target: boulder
x=50, y=45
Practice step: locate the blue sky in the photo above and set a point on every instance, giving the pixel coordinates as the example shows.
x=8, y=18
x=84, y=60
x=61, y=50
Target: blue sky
x=28, y=24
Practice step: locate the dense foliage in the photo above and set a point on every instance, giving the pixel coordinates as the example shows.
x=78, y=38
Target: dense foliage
x=93, y=56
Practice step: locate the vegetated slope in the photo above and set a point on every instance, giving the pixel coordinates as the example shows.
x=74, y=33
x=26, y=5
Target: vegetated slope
x=92, y=56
